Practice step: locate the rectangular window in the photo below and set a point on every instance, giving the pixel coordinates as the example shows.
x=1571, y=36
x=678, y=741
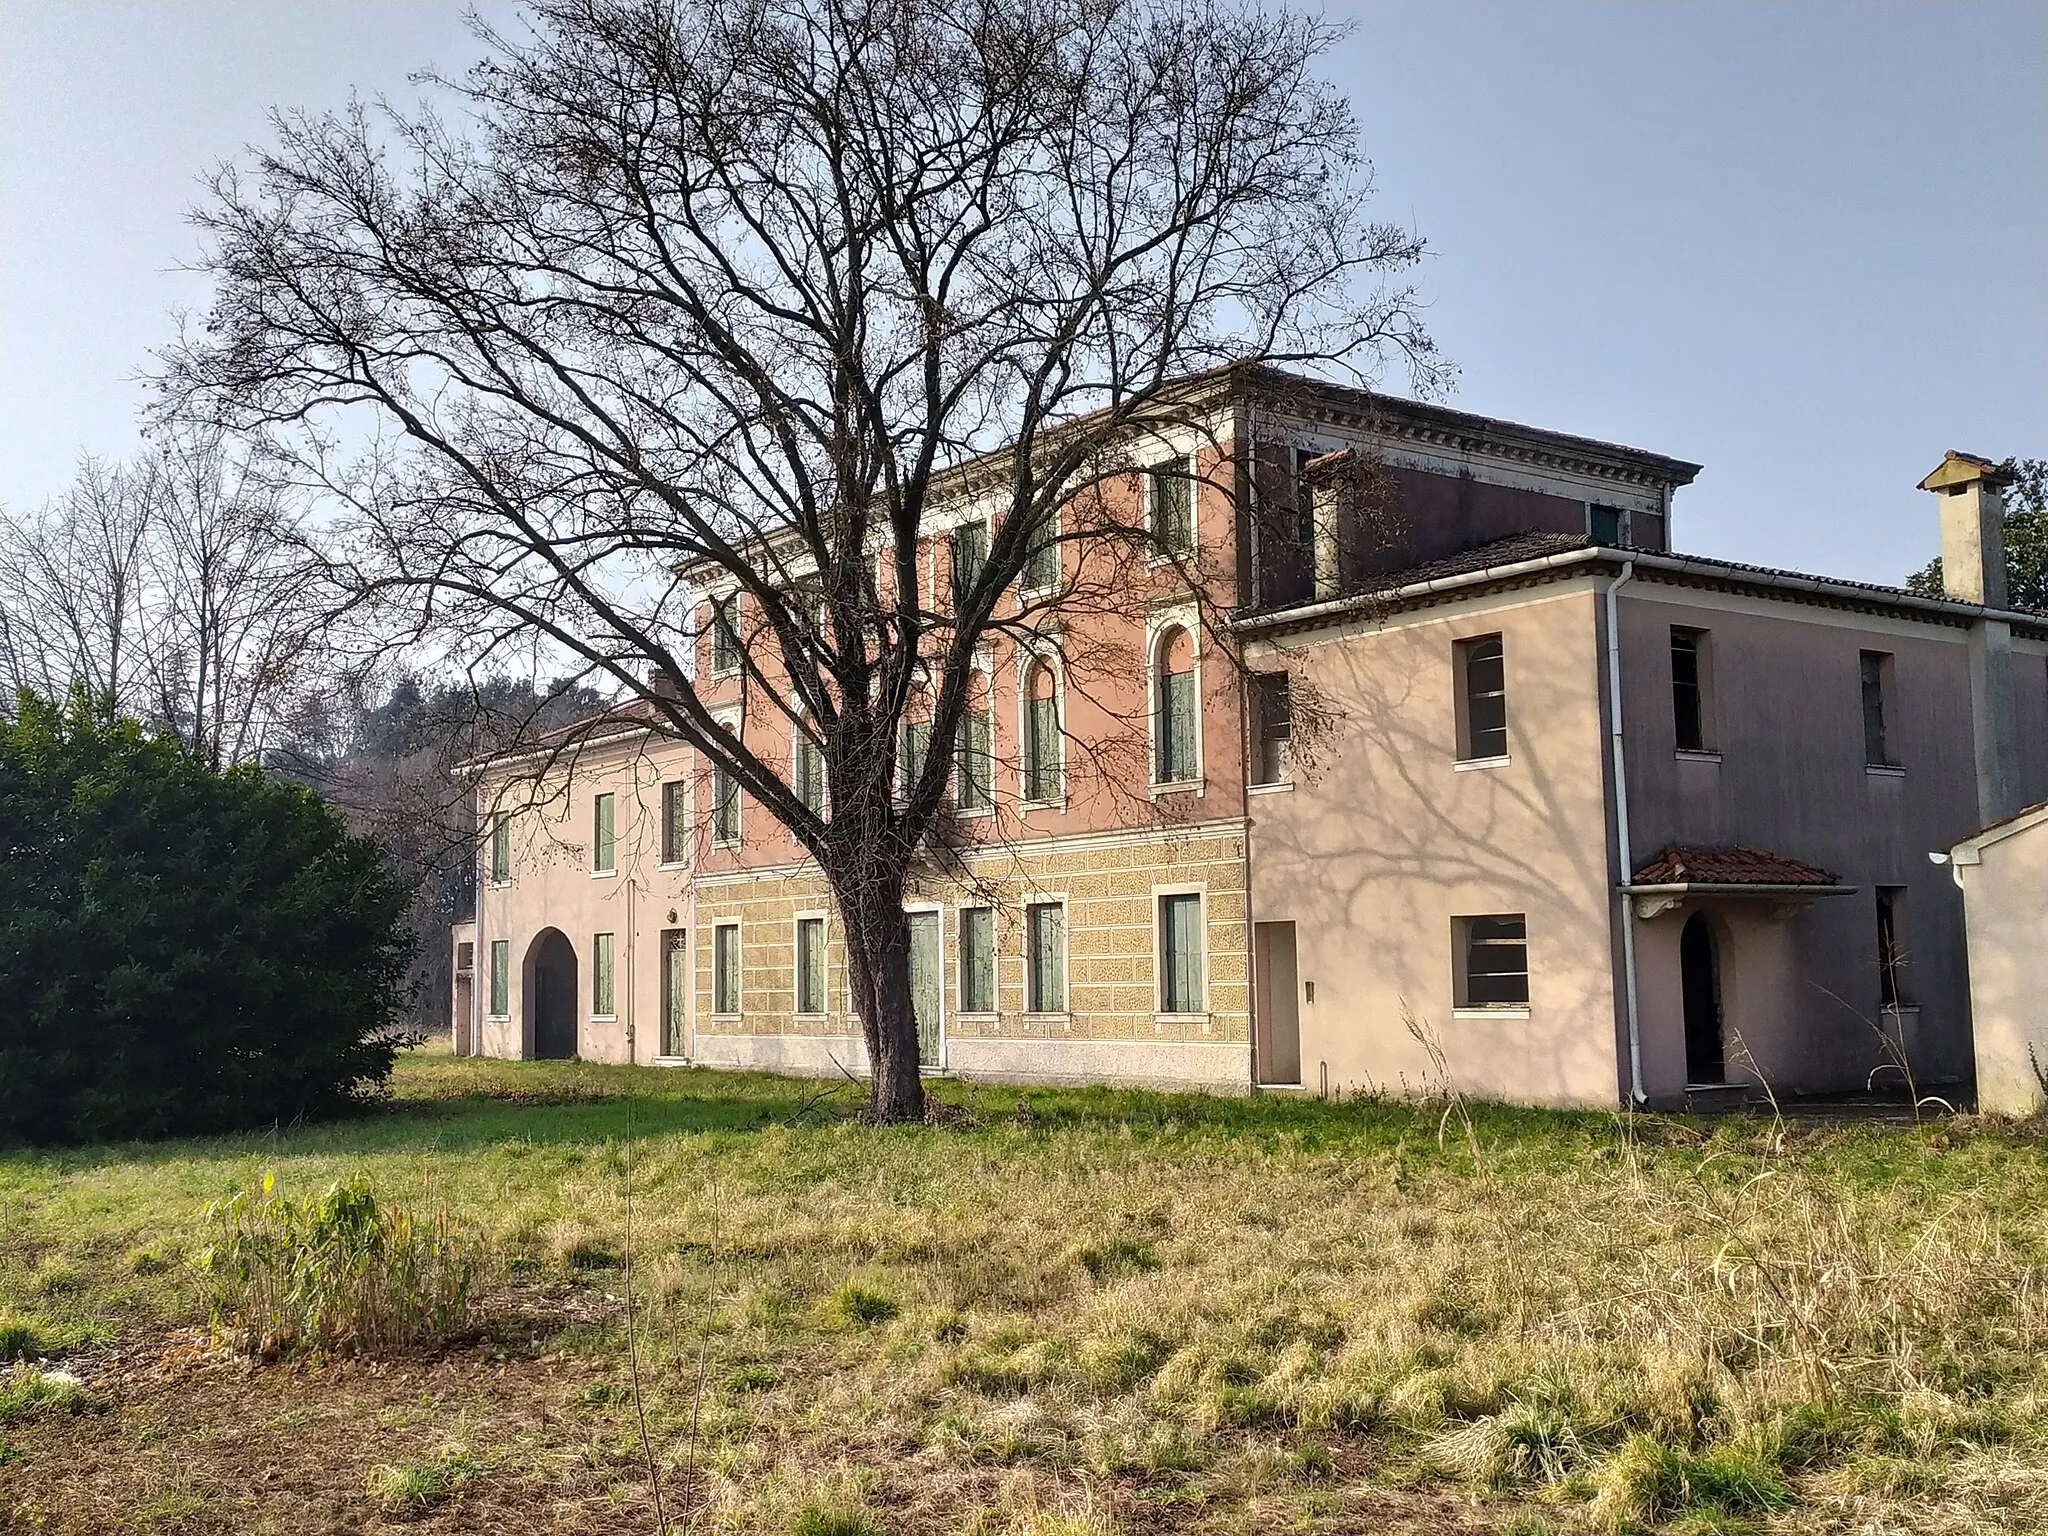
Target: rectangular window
x=1482, y=699
x=1304, y=499
x=810, y=965
x=1273, y=721
x=1042, y=566
x=501, y=978
x=725, y=634
x=1606, y=525
x=1180, y=954
x=725, y=807
x=809, y=769
x=1173, y=508
x=601, y=975
x=725, y=968
x=501, y=849
x=1689, y=676
x=1893, y=990
x=1176, y=727
x=1492, y=961
x=675, y=823
x=1045, y=957
x=970, y=557
x=604, y=836
x=1877, y=709
x=977, y=763
x=977, y=960
x=1042, y=763
x=917, y=747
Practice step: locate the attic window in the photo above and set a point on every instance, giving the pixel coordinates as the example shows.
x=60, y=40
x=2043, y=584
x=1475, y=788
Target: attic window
x=1606, y=525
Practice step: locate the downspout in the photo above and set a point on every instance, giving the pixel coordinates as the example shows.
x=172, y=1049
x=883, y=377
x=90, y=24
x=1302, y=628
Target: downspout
x=1628, y=926
x=632, y=1041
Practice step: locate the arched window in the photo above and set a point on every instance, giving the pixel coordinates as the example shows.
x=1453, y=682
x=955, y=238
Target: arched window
x=1176, y=719
x=1042, y=734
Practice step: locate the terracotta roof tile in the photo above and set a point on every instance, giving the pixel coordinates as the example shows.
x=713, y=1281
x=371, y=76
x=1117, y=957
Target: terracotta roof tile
x=1677, y=865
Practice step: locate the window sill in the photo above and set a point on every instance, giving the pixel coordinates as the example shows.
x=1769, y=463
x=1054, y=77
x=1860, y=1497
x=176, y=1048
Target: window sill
x=1912, y=1008
x=720, y=674
x=1504, y=1011
x=1064, y=1020
x=718, y=844
x=604, y=1018
x=977, y=813
x=1174, y=557
x=1476, y=764
x=1041, y=805
x=497, y=1018
x=604, y=874
x=673, y=864
x=1179, y=787
x=1035, y=594
x=811, y=1018
x=977, y=1016
x=498, y=885
x=1696, y=755
x=727, y=1018
x=1884, y=770
x=1279, y=787
x=1161, y=1020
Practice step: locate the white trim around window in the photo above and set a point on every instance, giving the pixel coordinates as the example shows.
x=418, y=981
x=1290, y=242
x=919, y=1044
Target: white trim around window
x=796, y=969
x=1161, y=1014
x=1157, y=623
x=739, y=959
x=1148, y=492
x=1065, y=1012
x=1027, y=658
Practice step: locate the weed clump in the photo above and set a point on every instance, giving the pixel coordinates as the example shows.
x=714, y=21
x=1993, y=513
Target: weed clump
x=27, y=1393
x=861, y=1306
x=422, y=1483
x=342, y=1273
x=1648, y=1481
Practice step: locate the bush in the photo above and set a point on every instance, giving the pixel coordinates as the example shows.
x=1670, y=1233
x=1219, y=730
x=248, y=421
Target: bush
x=338, y=1274
x=182, y=951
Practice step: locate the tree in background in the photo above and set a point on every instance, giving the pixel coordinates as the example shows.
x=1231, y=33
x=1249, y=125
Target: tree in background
x=2026, y=538
x=174, y=588
x=182, y=949
x=730, y=292
x=390, y=768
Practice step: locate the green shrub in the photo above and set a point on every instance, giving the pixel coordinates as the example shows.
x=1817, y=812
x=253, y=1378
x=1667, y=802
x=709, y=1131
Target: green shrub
x=1647, y=1481
x=181, y=950
x=338, y=1274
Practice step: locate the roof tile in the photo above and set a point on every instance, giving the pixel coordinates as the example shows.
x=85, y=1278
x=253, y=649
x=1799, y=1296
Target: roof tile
x=1676, y=865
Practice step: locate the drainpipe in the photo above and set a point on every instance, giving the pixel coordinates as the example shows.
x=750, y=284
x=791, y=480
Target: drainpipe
x=1628, y=925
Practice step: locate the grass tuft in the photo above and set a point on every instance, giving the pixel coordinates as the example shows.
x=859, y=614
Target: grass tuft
x=835, y=1519
x=28, y=1393
x=1647, y=1481
x=427, y=1481
x=862, y=1306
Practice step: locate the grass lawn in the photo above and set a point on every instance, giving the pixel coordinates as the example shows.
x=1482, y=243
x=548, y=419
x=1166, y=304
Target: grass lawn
x=1061, y=1313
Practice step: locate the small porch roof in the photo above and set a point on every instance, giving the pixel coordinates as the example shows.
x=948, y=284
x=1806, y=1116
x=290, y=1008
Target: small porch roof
x=1676, y=872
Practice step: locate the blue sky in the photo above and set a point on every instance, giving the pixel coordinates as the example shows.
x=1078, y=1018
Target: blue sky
x=1805, y=245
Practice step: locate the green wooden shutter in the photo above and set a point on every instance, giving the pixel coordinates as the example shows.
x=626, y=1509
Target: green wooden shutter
x=1180, y=933
x=501, y=978
x=1177, y=724
x=725, y=969
x=810, y=776
x=917, y=746
x=976, y=764
x=924, y=985
x=603, y=835
x=1043, y=775
x=810, y=959
x=501, y=849
x=725, y=806
x=601, y=995
x=675, y=824
x=1048, y=958
x=978, y=960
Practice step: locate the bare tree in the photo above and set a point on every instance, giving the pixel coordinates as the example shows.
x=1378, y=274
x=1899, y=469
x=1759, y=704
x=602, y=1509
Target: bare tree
x=175, y=588
x=739, y=292
x=71, y=587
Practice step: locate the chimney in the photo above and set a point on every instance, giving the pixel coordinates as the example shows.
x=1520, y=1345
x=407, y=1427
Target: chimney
x=661, y=685
x=1973, y=571
x=1972, y=528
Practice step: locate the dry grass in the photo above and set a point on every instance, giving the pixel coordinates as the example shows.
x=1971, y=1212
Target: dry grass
x=1114, y=1313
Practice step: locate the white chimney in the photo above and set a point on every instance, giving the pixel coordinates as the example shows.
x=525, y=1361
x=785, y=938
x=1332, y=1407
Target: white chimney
x=1973, y=571
x=1972, y=528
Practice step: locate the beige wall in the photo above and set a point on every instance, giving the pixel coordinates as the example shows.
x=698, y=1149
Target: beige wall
x=1374, y=853
x=554, y=886
x=2006, y=895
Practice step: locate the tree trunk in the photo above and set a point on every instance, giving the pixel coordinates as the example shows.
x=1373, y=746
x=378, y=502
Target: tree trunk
x=878, y=969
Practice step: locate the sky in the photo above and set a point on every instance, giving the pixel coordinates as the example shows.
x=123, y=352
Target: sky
x=1803, y=245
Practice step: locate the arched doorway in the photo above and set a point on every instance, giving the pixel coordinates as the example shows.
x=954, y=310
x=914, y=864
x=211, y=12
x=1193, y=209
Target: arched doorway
x=1699, y=967
x=551, y=996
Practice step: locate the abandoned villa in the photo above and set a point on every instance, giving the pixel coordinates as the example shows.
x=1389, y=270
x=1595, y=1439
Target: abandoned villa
x=1574, y=819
